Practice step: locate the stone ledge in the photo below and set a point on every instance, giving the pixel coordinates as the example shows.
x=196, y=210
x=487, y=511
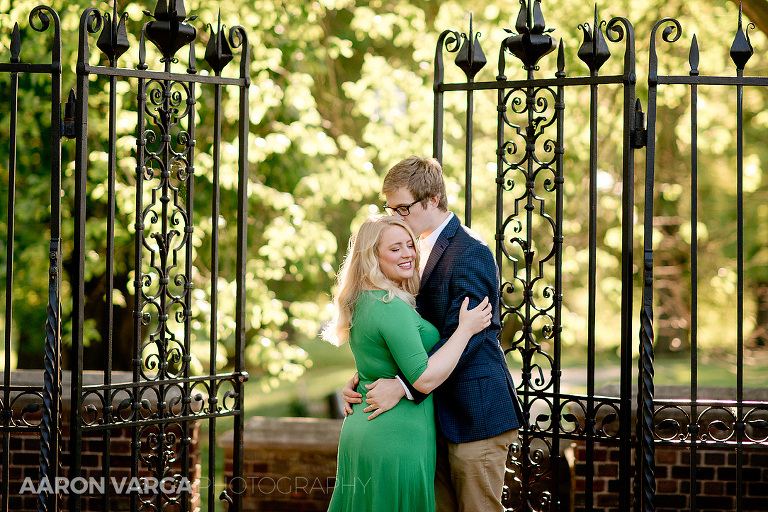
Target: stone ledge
x=287, y=434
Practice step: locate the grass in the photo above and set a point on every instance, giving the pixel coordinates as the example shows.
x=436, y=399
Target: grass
x=331, y=368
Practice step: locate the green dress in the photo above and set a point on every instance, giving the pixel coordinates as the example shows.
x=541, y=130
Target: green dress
x=387, y=464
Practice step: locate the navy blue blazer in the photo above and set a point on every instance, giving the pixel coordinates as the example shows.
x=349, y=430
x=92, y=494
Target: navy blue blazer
x=478, y=400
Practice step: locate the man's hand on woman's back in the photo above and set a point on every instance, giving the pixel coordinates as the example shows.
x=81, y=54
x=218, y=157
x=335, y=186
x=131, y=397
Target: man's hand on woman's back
x=382, y=395
x=350, y=395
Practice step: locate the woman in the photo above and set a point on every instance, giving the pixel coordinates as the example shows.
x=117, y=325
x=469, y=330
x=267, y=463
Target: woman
x=388, y=465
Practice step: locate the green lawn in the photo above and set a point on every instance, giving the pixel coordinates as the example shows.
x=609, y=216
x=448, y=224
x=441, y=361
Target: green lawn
x=333, y=366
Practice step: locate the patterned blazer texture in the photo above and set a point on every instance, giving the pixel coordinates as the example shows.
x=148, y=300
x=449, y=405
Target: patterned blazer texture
x=478, y=401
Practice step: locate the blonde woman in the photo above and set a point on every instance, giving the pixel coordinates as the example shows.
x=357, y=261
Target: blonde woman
x=388, y=465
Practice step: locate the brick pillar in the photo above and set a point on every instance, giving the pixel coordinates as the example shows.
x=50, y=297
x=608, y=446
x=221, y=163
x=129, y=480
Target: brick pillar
x=289, y=463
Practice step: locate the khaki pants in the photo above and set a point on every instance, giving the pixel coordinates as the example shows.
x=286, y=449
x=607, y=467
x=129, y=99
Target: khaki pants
x=470, y=476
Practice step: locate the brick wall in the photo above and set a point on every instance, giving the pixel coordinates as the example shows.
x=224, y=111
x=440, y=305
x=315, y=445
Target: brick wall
x=24, y=449
x=289, y=464
x=716, y=468
x=715, y=472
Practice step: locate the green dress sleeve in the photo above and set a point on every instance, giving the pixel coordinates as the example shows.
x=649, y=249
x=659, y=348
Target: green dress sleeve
x=399, y=325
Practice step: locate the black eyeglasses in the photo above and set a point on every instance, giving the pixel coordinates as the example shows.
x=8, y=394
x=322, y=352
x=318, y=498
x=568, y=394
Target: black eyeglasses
x=403, y=210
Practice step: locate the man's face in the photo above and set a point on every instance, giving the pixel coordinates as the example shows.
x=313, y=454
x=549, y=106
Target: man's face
x=419, y=218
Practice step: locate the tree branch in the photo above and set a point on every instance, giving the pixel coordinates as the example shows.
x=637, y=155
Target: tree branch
x=756, y=11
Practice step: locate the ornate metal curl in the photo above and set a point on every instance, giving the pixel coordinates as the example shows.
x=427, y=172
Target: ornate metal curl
x=670, y=34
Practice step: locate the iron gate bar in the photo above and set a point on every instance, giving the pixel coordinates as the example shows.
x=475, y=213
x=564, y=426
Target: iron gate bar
x=110, y=47
x=239, y=37
x=558, y=240
x=214, y=278
x=170, y=381
x=7, y=412
x=543, y=82
x=634, y=124
x=740, y=80
x=646, y=464
x=87, y=25
x=589, y=420
x=26, y=67
x=162, y=75
x=739, y=424
x=447, y=38
x=188, y=256
x=40, y=19
x=693, y=427
x=141, y=141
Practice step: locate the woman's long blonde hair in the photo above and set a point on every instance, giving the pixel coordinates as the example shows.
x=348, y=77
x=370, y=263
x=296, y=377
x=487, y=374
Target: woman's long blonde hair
x=361, y=271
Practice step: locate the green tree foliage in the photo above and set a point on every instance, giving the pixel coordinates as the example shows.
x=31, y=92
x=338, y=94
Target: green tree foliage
x=341, y=90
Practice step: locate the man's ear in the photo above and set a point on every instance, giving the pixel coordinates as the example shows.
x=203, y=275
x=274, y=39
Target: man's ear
x=433, y=201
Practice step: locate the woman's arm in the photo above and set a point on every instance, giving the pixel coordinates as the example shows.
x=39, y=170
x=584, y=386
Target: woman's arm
x=443, y=361
x=428, y=372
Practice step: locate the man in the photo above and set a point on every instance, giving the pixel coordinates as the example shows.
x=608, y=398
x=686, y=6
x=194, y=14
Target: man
x=476, y=408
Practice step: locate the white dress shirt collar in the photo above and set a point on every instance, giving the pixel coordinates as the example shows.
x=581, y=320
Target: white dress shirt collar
x=431, y=239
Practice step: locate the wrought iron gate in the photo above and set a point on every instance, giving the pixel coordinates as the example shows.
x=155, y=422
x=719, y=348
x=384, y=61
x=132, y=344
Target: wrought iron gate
x=152, y=412
x=530, y=238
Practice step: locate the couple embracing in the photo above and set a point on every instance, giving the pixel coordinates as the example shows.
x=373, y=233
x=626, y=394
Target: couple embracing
x=422, y=320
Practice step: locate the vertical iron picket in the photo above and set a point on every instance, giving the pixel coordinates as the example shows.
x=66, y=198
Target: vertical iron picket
x=7, y=413
x=693, y=426
x=242, y=256
x=47, y=397
x=50, y=428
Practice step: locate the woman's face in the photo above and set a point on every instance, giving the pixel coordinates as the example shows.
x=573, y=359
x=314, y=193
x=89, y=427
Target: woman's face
x=397, y=255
